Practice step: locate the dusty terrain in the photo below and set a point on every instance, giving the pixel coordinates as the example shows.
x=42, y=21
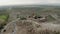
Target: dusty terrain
x=30, y=27
x=17, y=26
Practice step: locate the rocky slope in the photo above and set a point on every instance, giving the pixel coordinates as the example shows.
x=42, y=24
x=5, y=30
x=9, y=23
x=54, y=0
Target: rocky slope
x=31, y=27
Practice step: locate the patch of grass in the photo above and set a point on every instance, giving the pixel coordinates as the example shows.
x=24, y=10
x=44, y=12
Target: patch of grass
x=3, y=17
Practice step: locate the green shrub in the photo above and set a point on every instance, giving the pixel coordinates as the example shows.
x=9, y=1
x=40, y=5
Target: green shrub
x=23, y=18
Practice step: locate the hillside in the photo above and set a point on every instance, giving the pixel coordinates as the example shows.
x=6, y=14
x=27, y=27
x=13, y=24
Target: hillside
x=30, y=27
x=34, y=25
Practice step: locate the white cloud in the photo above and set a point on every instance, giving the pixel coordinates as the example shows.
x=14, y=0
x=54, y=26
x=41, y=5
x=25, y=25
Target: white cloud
x=13, y=2
x=54, y=1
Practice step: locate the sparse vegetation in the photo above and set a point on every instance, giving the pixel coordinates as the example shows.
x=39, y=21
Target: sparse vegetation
x=50, y=18
x=30, y=27
x=5, y=19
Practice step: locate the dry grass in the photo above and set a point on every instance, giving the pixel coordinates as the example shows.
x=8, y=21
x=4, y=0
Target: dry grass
x=33, y=28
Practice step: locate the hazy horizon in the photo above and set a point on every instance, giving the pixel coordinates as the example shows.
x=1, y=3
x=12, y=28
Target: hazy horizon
x=29, y=2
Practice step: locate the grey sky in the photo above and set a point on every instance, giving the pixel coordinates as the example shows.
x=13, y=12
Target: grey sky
x=21, y=2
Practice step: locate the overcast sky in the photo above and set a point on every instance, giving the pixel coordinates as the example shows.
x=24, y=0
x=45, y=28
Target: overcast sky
x=22, y=2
